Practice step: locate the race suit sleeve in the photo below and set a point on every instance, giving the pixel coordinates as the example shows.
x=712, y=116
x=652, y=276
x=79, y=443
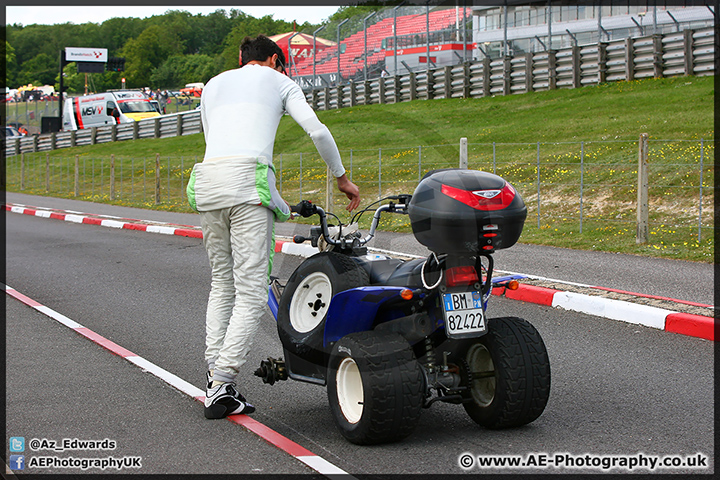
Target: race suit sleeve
x=203, y=115
x=303, y=114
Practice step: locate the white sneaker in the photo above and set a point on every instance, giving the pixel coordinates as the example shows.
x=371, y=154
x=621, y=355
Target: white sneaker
x=225, y=400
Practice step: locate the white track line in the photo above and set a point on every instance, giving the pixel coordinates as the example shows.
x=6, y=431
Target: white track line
x=297, y=451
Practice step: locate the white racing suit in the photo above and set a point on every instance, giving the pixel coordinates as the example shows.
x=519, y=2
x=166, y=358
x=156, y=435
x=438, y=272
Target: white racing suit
x=240, y=243
x=234, y=191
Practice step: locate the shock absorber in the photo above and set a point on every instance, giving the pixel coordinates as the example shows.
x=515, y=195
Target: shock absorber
x=429, y=355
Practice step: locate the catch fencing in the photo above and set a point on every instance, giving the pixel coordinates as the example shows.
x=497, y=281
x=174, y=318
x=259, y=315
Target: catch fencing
x=574, y=188
x=690, y=52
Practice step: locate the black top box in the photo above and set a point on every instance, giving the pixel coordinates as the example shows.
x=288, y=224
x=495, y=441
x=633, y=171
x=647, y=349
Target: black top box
x=459, y=211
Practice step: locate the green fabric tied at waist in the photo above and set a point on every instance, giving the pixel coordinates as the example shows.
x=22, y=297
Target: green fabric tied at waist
x=223, y=183
x=190, y=190
x=263, y=190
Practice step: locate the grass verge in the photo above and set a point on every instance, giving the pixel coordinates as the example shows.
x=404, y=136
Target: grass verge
x=544, y=143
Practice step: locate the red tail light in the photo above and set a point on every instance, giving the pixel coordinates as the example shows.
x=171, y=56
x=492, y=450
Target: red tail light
x=461, y=276
x=494, y=199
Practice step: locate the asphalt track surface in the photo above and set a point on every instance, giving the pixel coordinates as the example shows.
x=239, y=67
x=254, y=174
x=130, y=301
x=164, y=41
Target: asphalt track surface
x=617, y=388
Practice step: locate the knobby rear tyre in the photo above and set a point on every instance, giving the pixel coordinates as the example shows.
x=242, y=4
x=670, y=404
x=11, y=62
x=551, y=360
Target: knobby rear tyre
x=508, y=371
x=375, y=387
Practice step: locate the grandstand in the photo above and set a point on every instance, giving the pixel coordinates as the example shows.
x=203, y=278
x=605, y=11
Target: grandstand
x=411, y=31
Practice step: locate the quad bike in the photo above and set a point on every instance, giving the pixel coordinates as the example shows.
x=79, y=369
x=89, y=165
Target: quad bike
x=390, y=337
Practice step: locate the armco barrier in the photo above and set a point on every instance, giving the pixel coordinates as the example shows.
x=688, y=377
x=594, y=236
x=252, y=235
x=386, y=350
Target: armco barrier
x=691, y=52
x=172, y=125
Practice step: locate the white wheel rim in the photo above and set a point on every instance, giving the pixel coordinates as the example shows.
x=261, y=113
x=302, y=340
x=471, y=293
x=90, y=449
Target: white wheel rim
x=310, y=302
x=350, y=390
x=480, y=361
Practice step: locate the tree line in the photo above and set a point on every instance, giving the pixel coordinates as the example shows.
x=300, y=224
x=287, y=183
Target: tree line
x=161, y=52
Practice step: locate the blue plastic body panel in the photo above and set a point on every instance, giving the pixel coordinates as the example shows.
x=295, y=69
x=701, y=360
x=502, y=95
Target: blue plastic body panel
x=273, y=303
x=355, y=310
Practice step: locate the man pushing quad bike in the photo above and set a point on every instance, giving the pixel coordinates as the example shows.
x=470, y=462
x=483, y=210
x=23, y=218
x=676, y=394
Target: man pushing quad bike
x=389, y=337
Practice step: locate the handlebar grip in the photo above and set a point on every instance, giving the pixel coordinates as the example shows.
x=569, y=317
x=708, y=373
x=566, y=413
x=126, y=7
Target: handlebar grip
x=305, y=208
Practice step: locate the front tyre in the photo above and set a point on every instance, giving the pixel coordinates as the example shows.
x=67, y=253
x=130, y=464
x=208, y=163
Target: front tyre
x=508, y=374
x=306, y=300
x=375, y=387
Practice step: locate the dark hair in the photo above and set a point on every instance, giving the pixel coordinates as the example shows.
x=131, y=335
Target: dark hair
x=260, y=48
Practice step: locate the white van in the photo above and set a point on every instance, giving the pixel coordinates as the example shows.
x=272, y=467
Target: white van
x=109, y=108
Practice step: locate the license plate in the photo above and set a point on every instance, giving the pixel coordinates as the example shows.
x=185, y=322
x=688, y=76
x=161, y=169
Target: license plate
x=464, y=314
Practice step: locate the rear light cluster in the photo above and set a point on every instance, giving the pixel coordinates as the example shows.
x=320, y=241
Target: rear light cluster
x=486, y=200
x=465, y=275
x=489, y=231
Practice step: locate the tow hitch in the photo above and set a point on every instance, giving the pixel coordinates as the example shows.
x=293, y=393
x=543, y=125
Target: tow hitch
x=272, y=370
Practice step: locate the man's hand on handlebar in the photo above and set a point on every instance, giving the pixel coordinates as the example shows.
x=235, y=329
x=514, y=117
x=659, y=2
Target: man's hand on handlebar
x=305, y=208
x=350, y=190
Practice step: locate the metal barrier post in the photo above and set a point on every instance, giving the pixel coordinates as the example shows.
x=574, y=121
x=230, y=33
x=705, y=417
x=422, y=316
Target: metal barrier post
x=77, y=175
x=112, y=176
x=702, y=153
x=157, y=179
x=582, y=174
x=379, y=172
x=47, y=172
x=494, y=160
x=463, y=153
x=538, y=184
x=642, y=199
x=419, y=163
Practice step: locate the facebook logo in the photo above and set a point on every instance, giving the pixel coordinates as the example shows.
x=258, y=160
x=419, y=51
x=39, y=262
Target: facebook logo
x=17, y=462
x=17, y=444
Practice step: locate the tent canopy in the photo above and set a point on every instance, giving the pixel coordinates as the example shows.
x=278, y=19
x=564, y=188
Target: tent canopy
x=302, y=44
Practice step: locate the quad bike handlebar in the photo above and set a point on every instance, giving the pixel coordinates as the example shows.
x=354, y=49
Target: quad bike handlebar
x=397, y=204
x=305, y=208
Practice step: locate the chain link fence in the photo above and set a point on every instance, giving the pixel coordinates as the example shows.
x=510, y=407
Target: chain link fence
x=581, y=185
